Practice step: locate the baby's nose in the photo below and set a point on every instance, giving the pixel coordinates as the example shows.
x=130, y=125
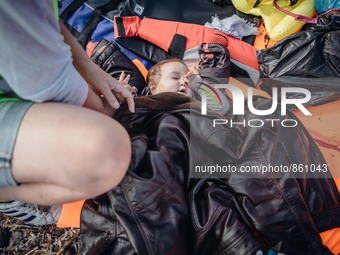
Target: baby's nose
x=184, y=81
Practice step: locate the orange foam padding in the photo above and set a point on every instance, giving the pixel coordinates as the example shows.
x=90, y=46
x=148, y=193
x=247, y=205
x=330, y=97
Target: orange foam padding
x=141, y=67
x=218, y=38
x=161, y=33
x=323, y=125
x=90, y=47
x=262, y=39
x=331, y=238
x=332, y=158
x=70, y=215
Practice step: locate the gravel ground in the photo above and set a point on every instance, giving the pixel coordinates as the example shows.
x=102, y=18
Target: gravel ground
x=19, y=238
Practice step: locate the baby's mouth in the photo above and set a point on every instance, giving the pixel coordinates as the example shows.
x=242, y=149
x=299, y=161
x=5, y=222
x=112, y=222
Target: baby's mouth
x=182, y=90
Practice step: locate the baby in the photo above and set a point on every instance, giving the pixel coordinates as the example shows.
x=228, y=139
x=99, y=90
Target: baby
x=170, y=75
x=173, y=75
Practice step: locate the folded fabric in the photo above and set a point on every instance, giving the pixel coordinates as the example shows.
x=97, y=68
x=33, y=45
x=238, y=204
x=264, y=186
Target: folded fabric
x=233, y=26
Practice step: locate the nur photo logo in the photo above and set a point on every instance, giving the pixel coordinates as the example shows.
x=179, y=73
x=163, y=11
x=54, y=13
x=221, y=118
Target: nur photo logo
x=239, y=98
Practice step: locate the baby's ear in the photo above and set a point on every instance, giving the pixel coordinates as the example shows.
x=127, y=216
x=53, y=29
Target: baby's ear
x=152, y=88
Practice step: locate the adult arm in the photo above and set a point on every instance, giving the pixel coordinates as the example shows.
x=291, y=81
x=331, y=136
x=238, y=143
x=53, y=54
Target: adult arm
x=34, y=60
x=100, y=81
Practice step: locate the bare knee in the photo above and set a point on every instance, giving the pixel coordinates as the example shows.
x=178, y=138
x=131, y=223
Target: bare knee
x=105, y=157
x=76, y=150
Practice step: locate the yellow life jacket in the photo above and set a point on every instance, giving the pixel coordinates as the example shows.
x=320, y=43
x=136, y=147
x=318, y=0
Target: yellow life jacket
x=278, y=24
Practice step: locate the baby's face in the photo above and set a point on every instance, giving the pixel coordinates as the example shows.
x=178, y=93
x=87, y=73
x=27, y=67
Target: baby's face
x=172, y=79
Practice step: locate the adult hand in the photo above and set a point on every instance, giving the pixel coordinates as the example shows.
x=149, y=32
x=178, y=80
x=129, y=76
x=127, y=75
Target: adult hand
x=114, y=91
x=101, y=82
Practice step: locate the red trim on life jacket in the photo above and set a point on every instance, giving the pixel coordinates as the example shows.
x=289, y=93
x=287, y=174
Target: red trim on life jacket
x=161, y=33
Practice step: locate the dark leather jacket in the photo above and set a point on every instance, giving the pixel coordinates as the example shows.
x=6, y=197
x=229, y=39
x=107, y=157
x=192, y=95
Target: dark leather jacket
x=159, y=209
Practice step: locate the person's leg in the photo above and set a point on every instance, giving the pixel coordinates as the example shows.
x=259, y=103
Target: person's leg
x=65, y=153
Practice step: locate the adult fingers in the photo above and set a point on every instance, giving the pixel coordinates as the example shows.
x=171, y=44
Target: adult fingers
x=120, y=91
x=110, y=97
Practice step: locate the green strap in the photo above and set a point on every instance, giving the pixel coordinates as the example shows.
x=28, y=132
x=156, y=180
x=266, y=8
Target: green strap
x=4, y=97
x=55, y=8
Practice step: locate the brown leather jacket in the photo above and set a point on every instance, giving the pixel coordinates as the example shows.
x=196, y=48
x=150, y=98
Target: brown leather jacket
x=159, y=208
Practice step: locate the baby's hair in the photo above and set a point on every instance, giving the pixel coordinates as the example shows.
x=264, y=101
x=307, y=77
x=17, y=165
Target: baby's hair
x=154, y=73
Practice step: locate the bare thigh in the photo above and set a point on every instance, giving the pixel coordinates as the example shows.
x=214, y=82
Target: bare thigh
x=70, y=148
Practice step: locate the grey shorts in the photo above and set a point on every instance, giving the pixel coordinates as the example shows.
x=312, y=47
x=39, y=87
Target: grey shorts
x=11, y=115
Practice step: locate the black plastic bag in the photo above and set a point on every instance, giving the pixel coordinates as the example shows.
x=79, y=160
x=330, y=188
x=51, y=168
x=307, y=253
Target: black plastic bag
x=309, y=59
